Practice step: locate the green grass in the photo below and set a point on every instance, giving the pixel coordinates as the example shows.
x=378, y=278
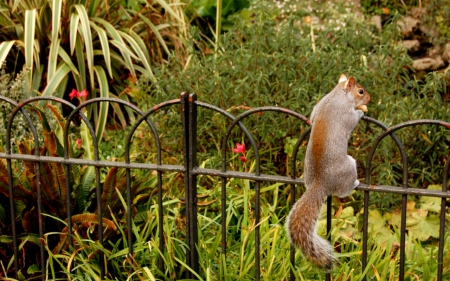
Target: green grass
x=239, y=262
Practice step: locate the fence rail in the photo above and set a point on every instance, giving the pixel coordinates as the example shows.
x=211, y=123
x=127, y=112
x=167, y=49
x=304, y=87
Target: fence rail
x=188, y=106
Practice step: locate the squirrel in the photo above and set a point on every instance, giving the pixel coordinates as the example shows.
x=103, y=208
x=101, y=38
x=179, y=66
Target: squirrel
x=328, y=170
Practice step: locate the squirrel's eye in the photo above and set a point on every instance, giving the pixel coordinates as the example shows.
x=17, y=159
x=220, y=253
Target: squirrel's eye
x=361, y=91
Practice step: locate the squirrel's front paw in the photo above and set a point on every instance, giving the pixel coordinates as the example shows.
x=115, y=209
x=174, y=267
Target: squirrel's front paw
x=360, y=113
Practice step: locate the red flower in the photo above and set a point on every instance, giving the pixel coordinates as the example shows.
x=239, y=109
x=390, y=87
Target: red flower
x=78, y=95
x=240, y=148
x=79, y=141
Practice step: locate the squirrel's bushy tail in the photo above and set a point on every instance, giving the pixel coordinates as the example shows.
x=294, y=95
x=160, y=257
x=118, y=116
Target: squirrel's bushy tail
x=301, y=228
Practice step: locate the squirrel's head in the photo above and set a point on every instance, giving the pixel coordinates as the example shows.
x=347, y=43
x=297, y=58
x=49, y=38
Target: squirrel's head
x=360, y=96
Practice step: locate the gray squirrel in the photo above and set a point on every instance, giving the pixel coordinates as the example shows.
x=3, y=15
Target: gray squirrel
x=328, y=170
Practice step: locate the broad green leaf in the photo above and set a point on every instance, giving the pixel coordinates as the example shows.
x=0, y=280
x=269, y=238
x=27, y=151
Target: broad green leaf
x=141, y=44
x=124, y=48
x=140, y=53
x=51, y=87
x=87, y=37
x=113, y=33
x=419, y=223
x=89, y=173
x=80, y=80
x=56, y=18
x=53, y=58
x=104, y=93
x=30, y=25
x=105, y=46
x=65, y=57
x=424, y=225
x=5, y=47
x=74, y=20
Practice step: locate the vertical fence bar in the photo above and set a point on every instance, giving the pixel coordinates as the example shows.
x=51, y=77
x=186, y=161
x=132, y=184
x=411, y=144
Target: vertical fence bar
x=329, y=206
x=13, y=214
x=442, y=223
x=365, y=228
x=292, y=248
x=39, y=205
x=257, y=235
x=98, y=191
x=403, y=217
x=193, y=226
x=189, y=120
x=185, y=126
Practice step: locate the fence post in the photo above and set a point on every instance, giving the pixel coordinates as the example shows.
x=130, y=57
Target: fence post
x=189, y=117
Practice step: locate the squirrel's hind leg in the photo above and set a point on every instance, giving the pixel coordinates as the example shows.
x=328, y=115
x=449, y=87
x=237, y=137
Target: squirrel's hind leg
x=348, y=190
x=349, y=185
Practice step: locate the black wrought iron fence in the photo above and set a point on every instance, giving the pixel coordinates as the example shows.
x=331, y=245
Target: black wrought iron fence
x=189, y=106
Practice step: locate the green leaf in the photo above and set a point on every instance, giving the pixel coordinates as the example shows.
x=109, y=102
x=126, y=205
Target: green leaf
x=140, y=53
x=59, y=75
x=5, y=47
x=104, y=93
x=87, y=37
x=30, y=24
x=74, y=20
x=80, y=80
x=418, y=223
x=432, y=204
x=56, y=18
x=89, y=173
x=113, y=33
x=33, y=269
x=105, y=46
x=65, y=57
x=54, y=47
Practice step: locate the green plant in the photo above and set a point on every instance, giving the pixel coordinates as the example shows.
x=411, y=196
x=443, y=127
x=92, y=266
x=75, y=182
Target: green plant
x=264, y=63
x=93, y=45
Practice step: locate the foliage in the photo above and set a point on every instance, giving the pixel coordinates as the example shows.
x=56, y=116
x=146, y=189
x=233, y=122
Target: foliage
x=293, y=64
x=93, y=45
x=53, y=187
x=207, y=10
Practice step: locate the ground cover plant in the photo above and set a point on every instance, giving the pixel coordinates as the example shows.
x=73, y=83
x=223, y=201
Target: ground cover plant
x=272, y=58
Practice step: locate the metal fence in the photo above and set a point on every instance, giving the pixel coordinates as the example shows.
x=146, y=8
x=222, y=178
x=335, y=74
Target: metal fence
x=189, y=106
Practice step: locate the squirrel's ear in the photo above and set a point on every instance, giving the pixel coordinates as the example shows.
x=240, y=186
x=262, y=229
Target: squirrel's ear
x=349, y=83
x=343, y=78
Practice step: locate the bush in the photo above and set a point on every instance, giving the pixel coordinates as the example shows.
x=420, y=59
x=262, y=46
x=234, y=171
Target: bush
x=263, y=63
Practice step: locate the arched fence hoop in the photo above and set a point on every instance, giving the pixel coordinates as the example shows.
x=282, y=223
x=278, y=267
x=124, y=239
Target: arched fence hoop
x=188, y=107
